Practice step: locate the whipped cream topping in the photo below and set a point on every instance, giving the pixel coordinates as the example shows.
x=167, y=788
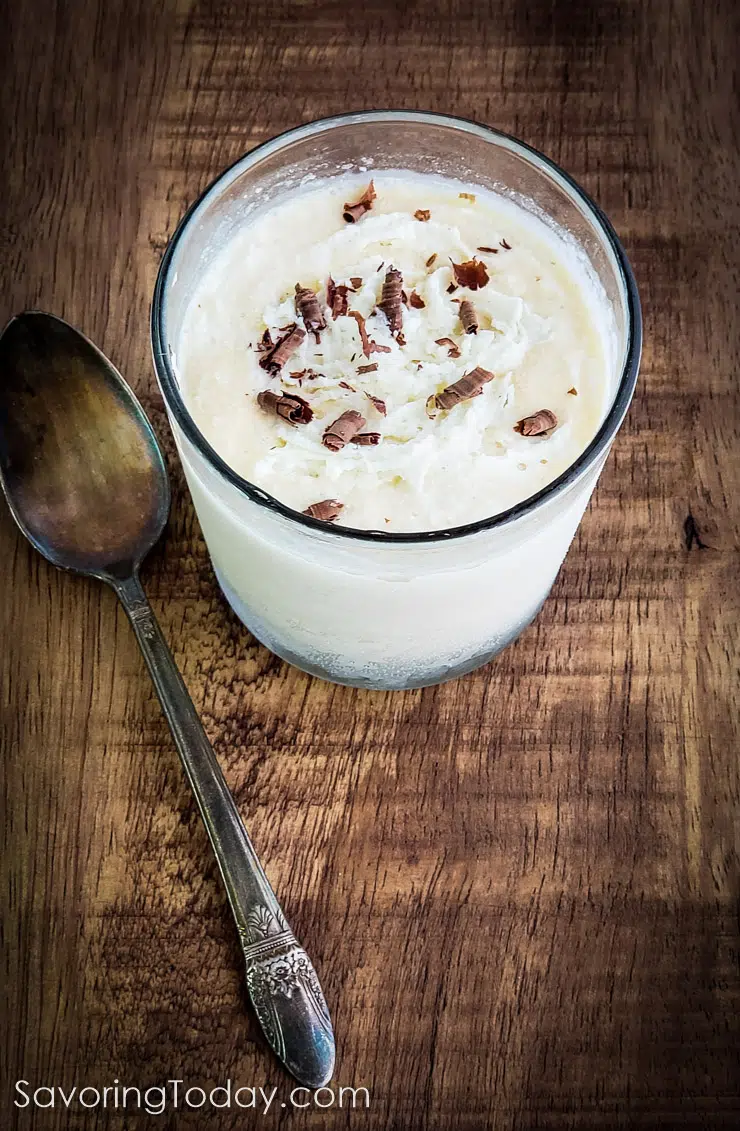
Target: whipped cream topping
x=542, y=331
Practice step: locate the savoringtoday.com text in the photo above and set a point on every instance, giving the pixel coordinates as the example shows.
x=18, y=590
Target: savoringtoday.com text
x=174, y=1095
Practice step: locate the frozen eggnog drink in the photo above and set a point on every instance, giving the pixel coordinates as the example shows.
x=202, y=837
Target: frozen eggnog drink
x=382, y=368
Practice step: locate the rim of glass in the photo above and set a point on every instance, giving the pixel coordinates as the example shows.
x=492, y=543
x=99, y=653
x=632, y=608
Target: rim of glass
x=171, y=391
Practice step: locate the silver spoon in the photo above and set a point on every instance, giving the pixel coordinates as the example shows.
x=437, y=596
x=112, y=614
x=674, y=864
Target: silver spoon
x=87, y=485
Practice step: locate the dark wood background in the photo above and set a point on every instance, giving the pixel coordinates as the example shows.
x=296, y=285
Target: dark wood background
x=520, y=889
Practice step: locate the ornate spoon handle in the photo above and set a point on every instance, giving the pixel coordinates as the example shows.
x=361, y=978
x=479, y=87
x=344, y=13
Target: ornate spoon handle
x=282, y=983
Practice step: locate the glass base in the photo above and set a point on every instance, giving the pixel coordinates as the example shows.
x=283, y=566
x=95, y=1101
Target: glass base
x=379, y=677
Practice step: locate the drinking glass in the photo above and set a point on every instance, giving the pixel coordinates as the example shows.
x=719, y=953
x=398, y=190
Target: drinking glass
x=364, y=607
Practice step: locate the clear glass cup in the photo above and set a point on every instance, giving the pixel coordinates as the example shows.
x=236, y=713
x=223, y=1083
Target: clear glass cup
x=370, y=608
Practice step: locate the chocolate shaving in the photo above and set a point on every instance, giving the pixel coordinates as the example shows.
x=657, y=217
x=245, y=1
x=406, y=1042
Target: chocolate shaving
x=265, y=343
x=452, y=288
x=472, y=274
x=353, y=212
x=326, y=511
x=367, y=368
x=468, y=317
x=538, y=424
x=431, y=259
x=505, y=245
x=400, y=339
x=366, y=439
x=573, y=392
x=286, y=405
x=298, y=374
x=488, y=250
x=307, y=306
x=416, y=301
x=470, y=385
x=368, y=345
x=275, y=358
x=336, y=297
x=453, y=348
x=377, y=403
x=346, y=385
x=391, y=301
x=356, y=282
x=422, y=214
x=340, y=304
x=343, y=429
x=467, y=195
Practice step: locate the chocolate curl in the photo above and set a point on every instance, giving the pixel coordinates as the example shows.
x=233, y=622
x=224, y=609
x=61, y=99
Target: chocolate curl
x=368, y=346
x=326, y=511
x=538, y=424
x=505, y=245
x=366, y=343
x=468, y=317
x=286, y=405
x=416, y=301
x=391, y=299
x=453, y=350
x=275, y=358
x=377, y=403
x=422, y=214
x=472, y=274
x=488, y=250
x=343, y=429
x=470, y=385
x=307, y=306
x=340, y=304
x=366, y=439
x=265, y=343
x=353, y=212
x=336, y=298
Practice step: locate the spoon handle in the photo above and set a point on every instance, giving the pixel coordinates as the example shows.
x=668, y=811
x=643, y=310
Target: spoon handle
x=282, y=983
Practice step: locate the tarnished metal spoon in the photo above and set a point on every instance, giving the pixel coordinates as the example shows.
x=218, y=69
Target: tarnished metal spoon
x=86, y=483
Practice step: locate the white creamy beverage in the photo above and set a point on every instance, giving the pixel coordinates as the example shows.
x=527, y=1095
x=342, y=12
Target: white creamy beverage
x=536, y=329
x=405, y=362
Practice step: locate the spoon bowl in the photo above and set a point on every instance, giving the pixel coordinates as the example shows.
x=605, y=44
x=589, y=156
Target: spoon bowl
x=82, y=469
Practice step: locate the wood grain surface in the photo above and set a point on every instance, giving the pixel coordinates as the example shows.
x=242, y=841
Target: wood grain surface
x=520, y=889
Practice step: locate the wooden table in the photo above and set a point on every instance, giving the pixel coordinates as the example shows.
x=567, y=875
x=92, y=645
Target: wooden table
x=521, y=888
